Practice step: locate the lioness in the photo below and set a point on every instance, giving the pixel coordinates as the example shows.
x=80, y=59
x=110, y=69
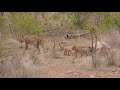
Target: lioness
x=32, y=40
x=67, y=49
x=81, y=49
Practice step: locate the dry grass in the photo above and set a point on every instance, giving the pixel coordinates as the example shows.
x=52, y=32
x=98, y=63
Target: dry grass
x=20, y=63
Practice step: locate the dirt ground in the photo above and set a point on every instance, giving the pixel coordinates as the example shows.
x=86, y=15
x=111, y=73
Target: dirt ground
x=30, y=64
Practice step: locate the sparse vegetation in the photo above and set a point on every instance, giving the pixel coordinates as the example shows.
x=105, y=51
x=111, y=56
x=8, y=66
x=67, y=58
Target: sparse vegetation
x=96, y=33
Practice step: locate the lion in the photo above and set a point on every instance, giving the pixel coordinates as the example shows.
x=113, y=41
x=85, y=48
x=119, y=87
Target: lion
x=66, y=49
x=81, y=49
x=32, y=40
x=105, y=51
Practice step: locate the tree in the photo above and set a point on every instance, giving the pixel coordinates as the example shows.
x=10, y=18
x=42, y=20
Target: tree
x=95, y=22
x=24, y=23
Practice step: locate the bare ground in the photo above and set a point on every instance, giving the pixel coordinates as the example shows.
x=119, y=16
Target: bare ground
x=19, y=63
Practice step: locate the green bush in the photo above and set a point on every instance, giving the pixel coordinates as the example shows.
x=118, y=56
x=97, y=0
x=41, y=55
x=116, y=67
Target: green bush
x=25, y=24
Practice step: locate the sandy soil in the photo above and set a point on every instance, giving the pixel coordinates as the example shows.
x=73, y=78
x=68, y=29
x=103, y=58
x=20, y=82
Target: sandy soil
x=32, y=64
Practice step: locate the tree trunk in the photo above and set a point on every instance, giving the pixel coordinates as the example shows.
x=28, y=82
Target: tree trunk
x=95, y=59
x=92, y=51
x=54, y=46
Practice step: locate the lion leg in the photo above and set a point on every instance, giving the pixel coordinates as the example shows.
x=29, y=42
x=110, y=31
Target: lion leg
x=26, y=46
x=73, y=53
x=65, y=52
x=76, y=54
x=87, y=54
x=68, y=53
x=81, y=54
x=37, y=46
x=21, y=45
